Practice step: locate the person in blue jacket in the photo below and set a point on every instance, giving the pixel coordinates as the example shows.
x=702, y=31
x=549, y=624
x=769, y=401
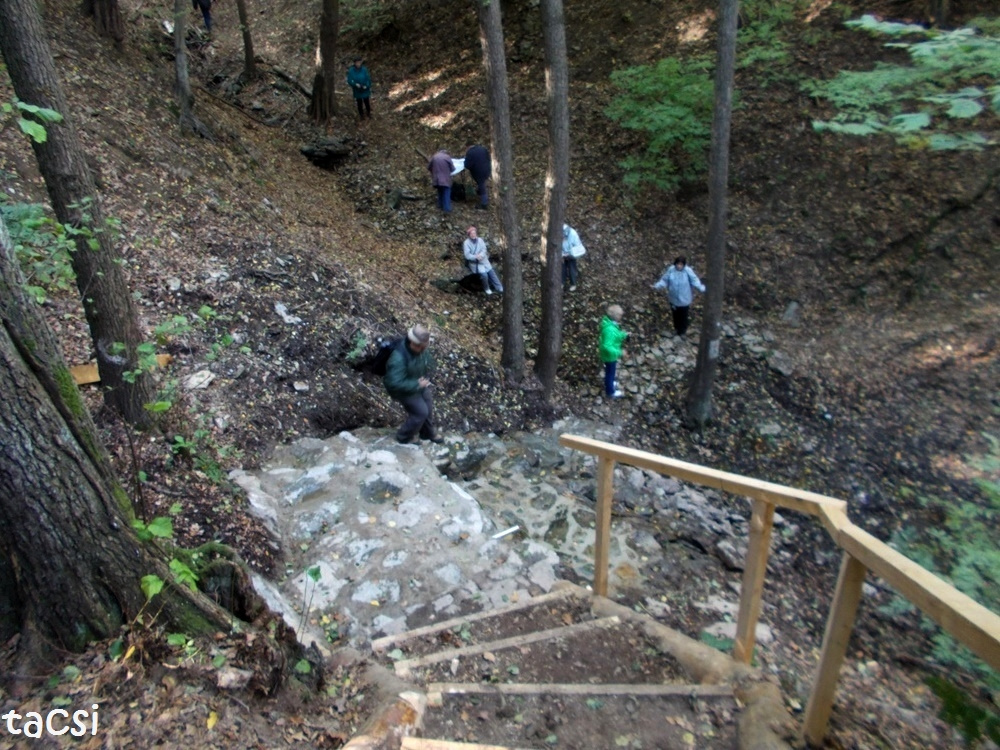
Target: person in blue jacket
x=360, y=82
x=477, y=162
x=680, y=281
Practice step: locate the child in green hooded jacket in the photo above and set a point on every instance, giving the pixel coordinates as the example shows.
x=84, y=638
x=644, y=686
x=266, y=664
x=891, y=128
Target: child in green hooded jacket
x=612, y=338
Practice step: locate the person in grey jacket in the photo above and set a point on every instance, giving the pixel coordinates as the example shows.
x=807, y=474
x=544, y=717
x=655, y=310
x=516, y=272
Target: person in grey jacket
x=477, y=260
x=680, y=281
x=406, y=381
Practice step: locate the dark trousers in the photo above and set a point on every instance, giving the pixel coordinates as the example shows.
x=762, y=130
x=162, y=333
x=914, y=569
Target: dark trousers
x=419, y=414
x=484, y=196
x=570, y=273
x=444, y=198
x=610, y=369
x=206, y=11
x=364, y=106
x=682, y=317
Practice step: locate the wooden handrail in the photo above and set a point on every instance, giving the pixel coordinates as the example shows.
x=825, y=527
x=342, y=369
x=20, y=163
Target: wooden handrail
x=958, y=614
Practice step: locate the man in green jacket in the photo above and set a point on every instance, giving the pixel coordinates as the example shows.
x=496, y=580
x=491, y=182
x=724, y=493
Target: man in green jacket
x=406, y=381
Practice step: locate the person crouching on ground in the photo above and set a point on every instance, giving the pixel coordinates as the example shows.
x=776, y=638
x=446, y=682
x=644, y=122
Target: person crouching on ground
x=477, y=260
x=612, y=338
x=406, y=381
x=680, y=281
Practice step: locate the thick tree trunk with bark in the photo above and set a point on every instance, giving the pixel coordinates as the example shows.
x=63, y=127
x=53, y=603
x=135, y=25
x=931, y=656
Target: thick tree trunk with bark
x=107, y=18
x=323, y=106
x=182, y=80
x=699, y=398
x=502, y=149
x=68, y=543
x=107, y=303
x=556, y=179
x=249, y=63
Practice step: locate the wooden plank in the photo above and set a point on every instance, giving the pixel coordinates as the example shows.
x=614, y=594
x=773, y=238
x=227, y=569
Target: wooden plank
x=87, y=374
x=784, y=497
x=405, y=666
x=602, y=529
x=754, y=572
x=381, y=644
x=422, y=743
x=839, y=625
x=961, y=616
x=570, y=689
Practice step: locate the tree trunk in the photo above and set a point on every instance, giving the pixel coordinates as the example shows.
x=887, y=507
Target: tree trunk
x=107, y=18
x=699, y=398
x=68, y=543
x=502, y=149
x=249, y=64
x=557, y=93
x=182, y=80
x=107, y=302
x=324, y=102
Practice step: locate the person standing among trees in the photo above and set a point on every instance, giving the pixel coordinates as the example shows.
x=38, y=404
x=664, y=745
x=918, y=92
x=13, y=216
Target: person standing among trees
x=680, y=281
x=406, y=381
x=478, y=261
x=441, y=166
x=360, y=81
x=611, y=341
x=477, y=161
x=205, y=6
x=572, y=249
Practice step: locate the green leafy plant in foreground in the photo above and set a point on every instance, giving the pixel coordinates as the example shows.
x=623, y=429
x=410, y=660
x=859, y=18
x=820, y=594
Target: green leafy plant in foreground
x=31, y=118
x=963, y=550
x=952, y=81
x=42, y=248
x=670, y=103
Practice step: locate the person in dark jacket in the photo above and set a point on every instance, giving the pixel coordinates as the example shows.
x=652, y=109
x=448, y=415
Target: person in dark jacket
x=360, y=82
x=441, y=166
x=205, y=6
x=407, y=382
x=477, y=161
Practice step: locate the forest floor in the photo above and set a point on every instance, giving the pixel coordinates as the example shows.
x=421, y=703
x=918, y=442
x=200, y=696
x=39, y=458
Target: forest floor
x=890, y=255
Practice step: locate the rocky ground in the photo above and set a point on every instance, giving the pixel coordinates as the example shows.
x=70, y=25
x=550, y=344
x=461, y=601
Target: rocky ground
x=876, y=386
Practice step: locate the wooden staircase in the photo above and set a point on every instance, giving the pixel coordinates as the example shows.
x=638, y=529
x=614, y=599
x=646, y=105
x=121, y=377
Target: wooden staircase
x=571, y=670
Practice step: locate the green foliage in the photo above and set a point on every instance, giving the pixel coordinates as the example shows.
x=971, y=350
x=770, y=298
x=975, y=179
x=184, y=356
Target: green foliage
x=151, y=586
x=183, y=574
x=31, y=118
x=974, y=721
x=160, y=527
x=365, y=16
x=359, y=347
x=671, y=104
x=42, y=248
x=963, y=550
x=760, y=40
x=953, y=79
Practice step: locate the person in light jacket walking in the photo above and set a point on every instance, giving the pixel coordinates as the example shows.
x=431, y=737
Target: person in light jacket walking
x=572, y=249
x=680, y=282
x=441, y=166
x=477, y=260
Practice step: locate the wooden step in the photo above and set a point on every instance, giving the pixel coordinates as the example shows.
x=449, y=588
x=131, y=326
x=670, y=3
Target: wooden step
x=405, y=667
x=437, y=690
x=419, y=743
x=563, y=595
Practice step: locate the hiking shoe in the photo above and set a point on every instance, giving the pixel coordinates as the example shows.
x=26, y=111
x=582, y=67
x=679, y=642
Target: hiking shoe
x=406, y=441
x=435, y=439
x=489, y=291
x=618, y=394
x=573, y=288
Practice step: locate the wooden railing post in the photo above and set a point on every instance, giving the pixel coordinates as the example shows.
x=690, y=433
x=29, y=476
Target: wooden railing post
x=839, y=625
x=602, y=529
x=761, y=522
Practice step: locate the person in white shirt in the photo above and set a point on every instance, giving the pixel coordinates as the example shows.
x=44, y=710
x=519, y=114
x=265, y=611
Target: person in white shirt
x=572, y=249
x=680, y=282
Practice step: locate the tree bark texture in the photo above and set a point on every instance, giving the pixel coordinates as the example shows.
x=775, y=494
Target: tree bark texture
x=107, y=304
x=249, y=63
x=324, y=101
x=68, y=543
x=556, y=181
x=699, y=398
x=182, y=79
x=107, y=18
x=502, y=149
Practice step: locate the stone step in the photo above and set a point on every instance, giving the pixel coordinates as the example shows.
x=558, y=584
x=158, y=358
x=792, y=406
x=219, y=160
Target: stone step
x=565, y=606
x=534, y=716
x=405, y=668
x=420, y=743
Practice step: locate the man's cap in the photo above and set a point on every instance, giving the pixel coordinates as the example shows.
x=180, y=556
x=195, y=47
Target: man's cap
x=419, y=335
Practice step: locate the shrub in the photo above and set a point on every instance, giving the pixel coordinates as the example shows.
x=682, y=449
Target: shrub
x=671, y=104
